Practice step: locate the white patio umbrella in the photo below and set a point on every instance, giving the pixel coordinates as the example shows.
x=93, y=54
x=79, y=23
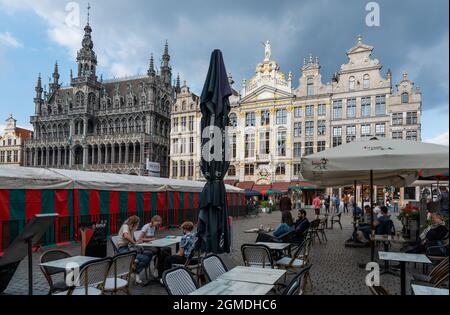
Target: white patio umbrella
x=380, y=162
x=393, y=162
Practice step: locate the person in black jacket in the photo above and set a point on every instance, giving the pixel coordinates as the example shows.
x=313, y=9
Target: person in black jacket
x=301, y=226
x=432, y=236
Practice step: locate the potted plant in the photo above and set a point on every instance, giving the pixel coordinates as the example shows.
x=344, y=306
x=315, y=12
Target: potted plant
x=265, y=207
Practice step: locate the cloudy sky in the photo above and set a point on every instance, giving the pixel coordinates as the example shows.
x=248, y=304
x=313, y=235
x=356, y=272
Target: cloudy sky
x=413, y=37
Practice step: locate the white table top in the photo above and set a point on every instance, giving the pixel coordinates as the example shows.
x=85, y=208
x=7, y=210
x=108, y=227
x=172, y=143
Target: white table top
x=389, y=238
x=422, y=290
x=404, y=257
x=163, y=242
x=254, y=275
x=275, y=246
x=63, y=263
x=228, y=287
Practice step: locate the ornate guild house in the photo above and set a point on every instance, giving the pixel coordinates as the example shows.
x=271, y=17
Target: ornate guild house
x=114, y=126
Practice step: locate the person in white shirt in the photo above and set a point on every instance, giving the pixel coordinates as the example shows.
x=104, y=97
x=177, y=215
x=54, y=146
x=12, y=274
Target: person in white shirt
x=149, y=230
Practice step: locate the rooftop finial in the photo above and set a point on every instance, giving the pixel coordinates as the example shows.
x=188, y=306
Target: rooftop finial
x=360, y=39
x=317, y=60
x=310, y=58
x=88, y=13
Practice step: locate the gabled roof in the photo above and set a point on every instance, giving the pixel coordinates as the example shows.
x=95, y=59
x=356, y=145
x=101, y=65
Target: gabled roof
x=266, y=88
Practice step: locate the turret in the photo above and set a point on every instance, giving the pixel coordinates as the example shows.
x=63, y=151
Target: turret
x=38, y=101
x=151, y=70
x=55, y=84
x=166, y=71
x=86, y=58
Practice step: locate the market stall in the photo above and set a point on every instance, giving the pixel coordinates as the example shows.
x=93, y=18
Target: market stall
x=83, y=198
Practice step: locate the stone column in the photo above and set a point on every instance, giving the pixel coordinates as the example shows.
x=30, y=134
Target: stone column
x=85, y=156
x=85, y=127
x=47, y=160
x=113, y=154
x=70, y=157
x=134, y=153
x=99, y=152
x=58, y=162
x=127, y=152
x=120, y=153
x=106, y=154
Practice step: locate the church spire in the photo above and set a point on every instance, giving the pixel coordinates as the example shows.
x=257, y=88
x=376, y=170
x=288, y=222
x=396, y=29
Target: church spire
x=151, y=69
x=166, y=71
x=56, y=74
x=38, y=88
x=86, y=58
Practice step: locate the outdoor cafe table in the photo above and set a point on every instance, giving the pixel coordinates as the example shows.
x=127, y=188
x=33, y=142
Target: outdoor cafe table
x=423, y=290
x=387, y=239
x=163, y=242
x=275, y=246
x=229, y=287
x=64, y=263
x=254, y=275
x=403, y=258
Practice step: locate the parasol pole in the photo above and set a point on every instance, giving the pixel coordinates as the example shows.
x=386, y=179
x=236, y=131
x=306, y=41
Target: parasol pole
x=372, y=243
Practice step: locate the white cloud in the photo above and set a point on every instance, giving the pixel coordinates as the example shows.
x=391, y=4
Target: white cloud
x=7, y=39
x=442, y=139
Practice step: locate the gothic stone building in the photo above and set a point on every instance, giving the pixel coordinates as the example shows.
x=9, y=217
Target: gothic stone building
x=111, y=126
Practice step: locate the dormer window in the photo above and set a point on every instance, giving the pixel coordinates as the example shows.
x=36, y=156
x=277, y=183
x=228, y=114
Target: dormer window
x=405, y=98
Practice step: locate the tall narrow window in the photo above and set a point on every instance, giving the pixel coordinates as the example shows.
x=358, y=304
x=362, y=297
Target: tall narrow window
x=234, y=146
x=337, y=109
x=337, y=136
x=281, y=143
x=366, y=105
x=366, y=81
x=233, y=120
x=352, y=83
x=265, y=118
x=182, y=169
x=321, y=146
x=309, y=112
x=281, y=117
x=351, y=108
x=297, y=149
x=380, y=106
x=405, y=98
x=298, y=112
x=250, y=119
x=297, y=129
x=321, y=127
x=310, y=87
x=309, y=148
x=249, y=145
x=322, y=110
x=397, y=119
x=309, y=128
x=351, y=133
x=411, y=118
x=264, y=145
x=174, y=169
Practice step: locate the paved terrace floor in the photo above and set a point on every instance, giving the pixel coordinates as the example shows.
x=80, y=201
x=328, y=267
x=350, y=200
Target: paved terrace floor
x=335, y=268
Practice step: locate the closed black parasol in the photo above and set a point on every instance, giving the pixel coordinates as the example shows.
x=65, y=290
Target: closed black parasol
x=213, y=228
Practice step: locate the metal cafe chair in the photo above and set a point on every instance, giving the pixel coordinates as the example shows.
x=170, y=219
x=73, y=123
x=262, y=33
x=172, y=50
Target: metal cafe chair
x=213, y=267
x=179, y=281
x=257, y=256
x=295, y=286
x=53, y=255
x=119, y=273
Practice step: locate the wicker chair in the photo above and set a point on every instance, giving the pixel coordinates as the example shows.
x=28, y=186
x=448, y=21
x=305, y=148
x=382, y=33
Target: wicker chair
x=437, y=277
x=379, y=290
x=119, y=274
x=213, y=267
x=295, y=286
x=257, y=256
x=179, y=281
x=91, y=279
x=58, y=286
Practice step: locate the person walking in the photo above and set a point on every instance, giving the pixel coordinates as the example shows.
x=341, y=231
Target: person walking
x=346, y=200
x=317, y=203
x=327, y=204
x=285, y=203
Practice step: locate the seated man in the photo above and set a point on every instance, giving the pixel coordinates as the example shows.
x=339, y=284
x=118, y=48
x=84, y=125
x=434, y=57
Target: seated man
x=365, y=229
x=187, y=244
x=385, y=225
x=301, y=226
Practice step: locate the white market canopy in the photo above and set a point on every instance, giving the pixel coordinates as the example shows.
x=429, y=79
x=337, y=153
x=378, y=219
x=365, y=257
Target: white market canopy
x=393, y=162
x=40, y=178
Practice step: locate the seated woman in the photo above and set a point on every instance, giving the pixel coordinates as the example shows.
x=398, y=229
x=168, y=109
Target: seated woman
x=286, y=226
x=364, y=230
x=126, y=240
x=149, y=230
x=187, y=244
x=433, y=236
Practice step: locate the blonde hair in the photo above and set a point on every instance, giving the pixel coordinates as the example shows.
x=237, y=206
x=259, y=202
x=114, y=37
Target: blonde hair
x=157, y=218
x=133, y=222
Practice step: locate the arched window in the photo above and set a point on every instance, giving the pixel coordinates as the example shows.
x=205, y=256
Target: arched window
x=310, y=87
x=91, y=101
x=183, y=106
x=138, y=124
x=124, y=125
x=182, y=169
x=366, y=81
x=352, y=82
x=79, y=99
x=131, y=125
x=232, y=170
x=405, y=98
x=233, y=120
x=175, y=169
x=117, y=125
